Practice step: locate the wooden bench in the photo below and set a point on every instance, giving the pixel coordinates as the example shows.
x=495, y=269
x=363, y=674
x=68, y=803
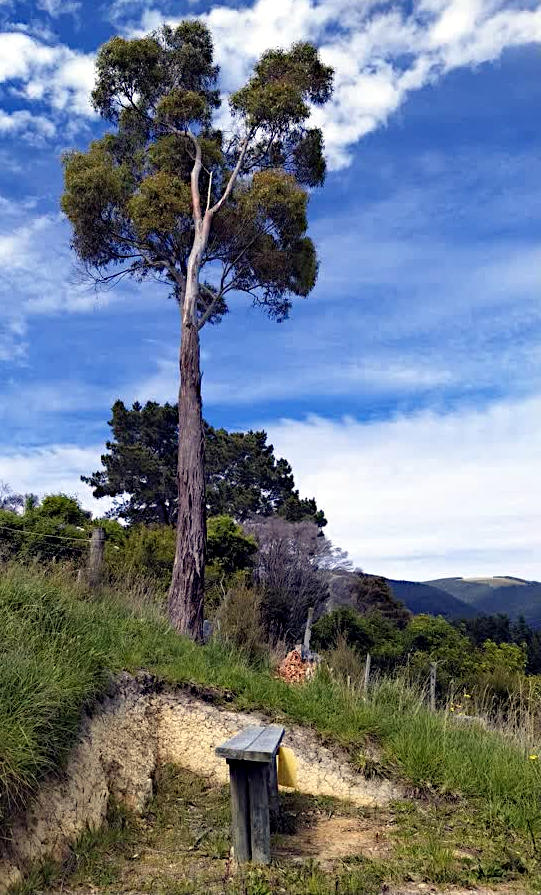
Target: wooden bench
x=251, y=756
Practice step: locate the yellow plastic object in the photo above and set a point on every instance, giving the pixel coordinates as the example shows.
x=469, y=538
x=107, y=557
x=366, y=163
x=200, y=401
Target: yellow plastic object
x=287, y=767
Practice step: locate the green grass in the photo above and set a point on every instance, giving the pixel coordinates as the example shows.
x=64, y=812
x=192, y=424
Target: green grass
x=181, y=843
x=59, y=649
x=180, y=846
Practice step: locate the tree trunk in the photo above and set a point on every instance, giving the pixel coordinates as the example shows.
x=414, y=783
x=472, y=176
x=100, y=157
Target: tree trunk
x=186, y=593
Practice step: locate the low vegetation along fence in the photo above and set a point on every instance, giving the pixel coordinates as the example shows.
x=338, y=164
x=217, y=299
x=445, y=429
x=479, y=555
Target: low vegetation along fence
x=517, y=714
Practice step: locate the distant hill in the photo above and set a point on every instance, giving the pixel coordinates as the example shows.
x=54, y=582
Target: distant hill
x=428, y=598
x=468, y=597
x=475, y=590
x=363, y=593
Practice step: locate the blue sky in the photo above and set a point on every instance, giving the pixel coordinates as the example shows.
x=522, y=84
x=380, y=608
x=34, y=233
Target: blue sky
x=406, y=390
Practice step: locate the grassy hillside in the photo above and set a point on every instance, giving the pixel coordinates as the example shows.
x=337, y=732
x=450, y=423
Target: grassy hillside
x=473, y=590
x=512, y=596
x=420, y=598
x=59, y=649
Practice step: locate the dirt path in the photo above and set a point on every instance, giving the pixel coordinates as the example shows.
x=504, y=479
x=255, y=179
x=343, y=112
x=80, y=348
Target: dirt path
x=180, y=845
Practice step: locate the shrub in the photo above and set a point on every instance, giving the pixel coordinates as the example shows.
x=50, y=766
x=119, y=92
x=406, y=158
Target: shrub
x=145, y=550
x=428, y=639
x=290, y=570
x=344, y=661
x=149, y=550
x=371, y=633
x=239, y=622
x=56, y=529
x=227, y=545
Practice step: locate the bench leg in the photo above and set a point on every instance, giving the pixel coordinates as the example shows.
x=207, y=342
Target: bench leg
x=240, y=811
x=258, y=784
x=274, y=798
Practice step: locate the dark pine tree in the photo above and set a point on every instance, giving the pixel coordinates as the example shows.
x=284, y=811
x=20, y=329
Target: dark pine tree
x=243, y=477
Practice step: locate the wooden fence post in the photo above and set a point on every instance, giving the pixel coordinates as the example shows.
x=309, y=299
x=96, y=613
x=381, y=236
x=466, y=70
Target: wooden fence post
x=367, y=665
x=433, y=667
x=308, y=630
x=95, y=558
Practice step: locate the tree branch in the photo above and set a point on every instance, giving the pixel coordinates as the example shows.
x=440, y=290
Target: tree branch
x=194, y=179
x=209, y=190
x=236, y=170
x=209, y=311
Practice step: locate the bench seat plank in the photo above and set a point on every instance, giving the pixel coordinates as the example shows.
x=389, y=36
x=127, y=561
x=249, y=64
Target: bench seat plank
x=238, y=743
x=253, y=744
x=268, y=740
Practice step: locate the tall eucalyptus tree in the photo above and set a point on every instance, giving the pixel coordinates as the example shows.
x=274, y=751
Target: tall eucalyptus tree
x=167, y=194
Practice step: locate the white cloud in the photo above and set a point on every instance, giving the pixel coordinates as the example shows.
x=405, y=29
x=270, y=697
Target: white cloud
x=456, y=21
x=429, y=495
x=30, y=127
x=56, y=8
x=375, y=376
x=53, y=469
x=54, y=74
x=126, y=14
x=379, y=53
x=39, y=275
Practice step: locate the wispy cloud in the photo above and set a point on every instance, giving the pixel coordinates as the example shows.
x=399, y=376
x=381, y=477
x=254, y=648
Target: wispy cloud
x=380, y=52
x=38, y=273
x=52, y=74
x=53, y=469
x=56, y=8
x=23, y=123
x=430, y=495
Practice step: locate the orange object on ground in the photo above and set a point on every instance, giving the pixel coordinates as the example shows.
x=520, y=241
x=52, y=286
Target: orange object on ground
x=293, y=669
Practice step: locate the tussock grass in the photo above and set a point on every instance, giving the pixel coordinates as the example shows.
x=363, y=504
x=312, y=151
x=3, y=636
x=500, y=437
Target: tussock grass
x=59, y=648
x=58, y=651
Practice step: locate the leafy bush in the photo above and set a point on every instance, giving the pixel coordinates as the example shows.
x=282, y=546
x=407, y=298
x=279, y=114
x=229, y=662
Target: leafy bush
x=371, y=633
x=145, y=550
x=427, y=639
x=503, y=657
x=344, y=661
x=227, y=546
x=239, y=622
x=55, y=529
x=149, y=550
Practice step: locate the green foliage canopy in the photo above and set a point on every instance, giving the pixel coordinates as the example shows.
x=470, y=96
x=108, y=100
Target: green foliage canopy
x=134, y=198
x=244, y=478
x=55, y=529
x=227, y=545
x=149, y=550
x=371, y=633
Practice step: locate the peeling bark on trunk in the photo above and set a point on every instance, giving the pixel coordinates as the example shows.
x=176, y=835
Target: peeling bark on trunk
x=186, y=593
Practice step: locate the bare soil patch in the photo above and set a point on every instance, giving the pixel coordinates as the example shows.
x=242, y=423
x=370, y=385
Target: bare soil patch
x=329, y=838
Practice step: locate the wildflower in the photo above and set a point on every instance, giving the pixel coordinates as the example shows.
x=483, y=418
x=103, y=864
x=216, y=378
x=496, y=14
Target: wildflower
x=467, y=696
x=533, y=757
